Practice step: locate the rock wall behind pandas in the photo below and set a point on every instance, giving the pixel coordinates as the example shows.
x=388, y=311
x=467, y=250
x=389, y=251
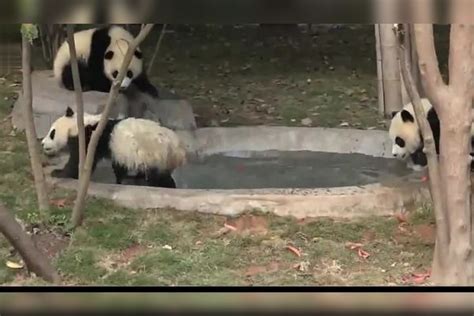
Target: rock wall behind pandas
x=50, y=101
x=169, y=109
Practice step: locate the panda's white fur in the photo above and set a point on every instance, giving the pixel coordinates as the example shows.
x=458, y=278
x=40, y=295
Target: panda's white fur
x=135, y=146
x=132, y=139
x=100, y=53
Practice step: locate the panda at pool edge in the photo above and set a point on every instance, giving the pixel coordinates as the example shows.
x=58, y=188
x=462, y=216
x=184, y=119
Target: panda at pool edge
x=134, y=145
x=407, y=142
x=100, y=52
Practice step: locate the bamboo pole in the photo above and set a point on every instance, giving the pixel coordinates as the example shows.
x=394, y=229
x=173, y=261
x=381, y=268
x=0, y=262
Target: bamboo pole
x=78, y=211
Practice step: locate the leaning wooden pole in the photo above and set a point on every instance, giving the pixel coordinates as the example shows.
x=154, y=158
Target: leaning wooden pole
x=31, y=137
x=78, y=211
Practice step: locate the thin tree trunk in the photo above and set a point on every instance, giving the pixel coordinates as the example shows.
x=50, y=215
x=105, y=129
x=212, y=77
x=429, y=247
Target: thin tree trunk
x=78, y=211
x=31, y=137
x=36, y=261
x=79, y=101
x=157, y=48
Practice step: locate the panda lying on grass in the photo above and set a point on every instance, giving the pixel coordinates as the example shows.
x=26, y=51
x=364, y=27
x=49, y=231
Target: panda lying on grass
x=407, y=142
x=134, y=145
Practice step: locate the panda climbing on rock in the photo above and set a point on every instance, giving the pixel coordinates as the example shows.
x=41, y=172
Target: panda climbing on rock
x=100, y=53
x=407, y=142
x=137, y=146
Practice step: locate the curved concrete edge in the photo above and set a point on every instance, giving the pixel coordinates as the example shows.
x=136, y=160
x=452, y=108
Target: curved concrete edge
x=348, y=202
x=211, y=140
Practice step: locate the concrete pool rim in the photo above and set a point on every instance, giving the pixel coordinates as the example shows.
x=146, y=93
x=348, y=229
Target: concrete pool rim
x=345, y=202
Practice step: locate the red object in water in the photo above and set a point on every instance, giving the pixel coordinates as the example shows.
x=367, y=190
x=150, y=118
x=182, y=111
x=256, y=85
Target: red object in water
x=424, y=178
x=240, y=168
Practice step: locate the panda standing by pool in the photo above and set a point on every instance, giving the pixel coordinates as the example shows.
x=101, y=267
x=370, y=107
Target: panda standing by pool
x=135, y=146
x=100, y=53
x=407, y=142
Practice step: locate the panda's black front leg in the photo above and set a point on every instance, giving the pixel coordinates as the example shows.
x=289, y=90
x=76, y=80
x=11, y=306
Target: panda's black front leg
x=71, y=169
x=120, y=172
x=145, y=86
x=154, y=178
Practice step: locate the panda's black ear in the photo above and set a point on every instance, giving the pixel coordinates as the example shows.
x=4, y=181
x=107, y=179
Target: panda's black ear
x=109, y=55
x=407, y=117
x=394, y=113
x=138, y=54
x=69, y=112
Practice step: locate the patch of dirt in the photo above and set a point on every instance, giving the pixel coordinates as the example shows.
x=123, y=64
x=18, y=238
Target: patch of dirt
x=51, y=243
x=426, y=232
x=272, y=267
x=249, y=225
x=131, y=253
x=113, y=262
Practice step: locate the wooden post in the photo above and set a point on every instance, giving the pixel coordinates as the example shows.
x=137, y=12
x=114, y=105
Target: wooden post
x=390, y=70
x=378, y=53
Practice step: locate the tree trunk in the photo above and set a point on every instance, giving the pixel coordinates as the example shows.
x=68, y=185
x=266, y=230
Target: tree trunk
x=36, y=261
x=78, y=94
x=453, y=104
x=31, y=137
x=454, y=158
x=78, y=211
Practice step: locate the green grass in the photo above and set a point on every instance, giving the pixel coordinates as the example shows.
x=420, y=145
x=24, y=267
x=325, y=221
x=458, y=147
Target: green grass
x=119, y=246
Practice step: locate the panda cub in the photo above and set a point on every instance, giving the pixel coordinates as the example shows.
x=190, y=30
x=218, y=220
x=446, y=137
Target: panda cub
x=407, y=142
x=100, y=53
x=135, y=146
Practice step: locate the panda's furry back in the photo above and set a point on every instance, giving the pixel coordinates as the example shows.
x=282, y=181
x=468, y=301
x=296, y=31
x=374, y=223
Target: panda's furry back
x=140, y=144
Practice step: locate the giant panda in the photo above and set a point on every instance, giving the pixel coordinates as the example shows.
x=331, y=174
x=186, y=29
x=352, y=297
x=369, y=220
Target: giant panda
x=100, y=53
x=135, y=146
x=407, y=142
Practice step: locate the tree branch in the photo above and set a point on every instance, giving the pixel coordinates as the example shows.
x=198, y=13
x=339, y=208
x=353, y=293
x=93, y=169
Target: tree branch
x=31, y=137
x=429, y=146
x=77, y=214
x=78, y=94
x=36, y=261
x=157, y=48
x=428, y=62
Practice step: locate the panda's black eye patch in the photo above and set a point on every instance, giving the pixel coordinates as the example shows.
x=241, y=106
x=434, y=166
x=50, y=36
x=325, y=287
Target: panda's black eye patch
x=52, y=134
x=138, y=54
x=129, y=74
x=109, y=55
x=115, y=74
x=400, y=142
